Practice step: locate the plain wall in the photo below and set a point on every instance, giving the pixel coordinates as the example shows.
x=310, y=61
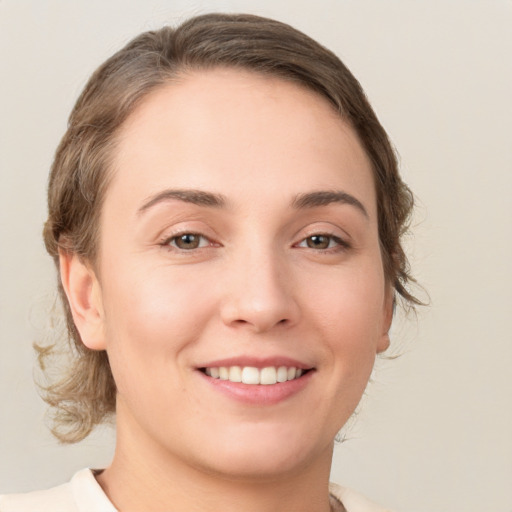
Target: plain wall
x=435, y=432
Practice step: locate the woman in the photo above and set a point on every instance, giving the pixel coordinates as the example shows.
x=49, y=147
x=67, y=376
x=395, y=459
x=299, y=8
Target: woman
x=225, y=213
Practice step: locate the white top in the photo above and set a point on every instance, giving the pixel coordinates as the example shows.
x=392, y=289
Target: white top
x=84, y=494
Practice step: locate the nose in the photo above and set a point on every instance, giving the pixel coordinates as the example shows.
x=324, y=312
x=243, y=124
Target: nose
x=260, y=293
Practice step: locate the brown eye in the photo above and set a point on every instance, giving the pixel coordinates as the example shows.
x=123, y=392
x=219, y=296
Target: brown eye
x=323, y=242
x=187, y=241
x=318, y=241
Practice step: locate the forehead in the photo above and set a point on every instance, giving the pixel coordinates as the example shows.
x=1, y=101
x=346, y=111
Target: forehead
x=239, y=131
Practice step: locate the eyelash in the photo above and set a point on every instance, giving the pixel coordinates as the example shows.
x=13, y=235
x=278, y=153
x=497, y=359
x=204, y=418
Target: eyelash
x=335, y=243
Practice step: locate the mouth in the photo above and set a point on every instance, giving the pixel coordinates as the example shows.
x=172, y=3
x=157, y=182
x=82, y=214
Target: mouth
x=254, y=376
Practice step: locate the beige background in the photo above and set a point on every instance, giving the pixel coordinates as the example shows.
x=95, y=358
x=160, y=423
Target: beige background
x=435, y=433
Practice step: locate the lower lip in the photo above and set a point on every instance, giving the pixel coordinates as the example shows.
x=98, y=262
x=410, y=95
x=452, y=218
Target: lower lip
x=259, y=394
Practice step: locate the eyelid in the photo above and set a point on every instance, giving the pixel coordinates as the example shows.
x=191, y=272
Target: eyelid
x=326, y=228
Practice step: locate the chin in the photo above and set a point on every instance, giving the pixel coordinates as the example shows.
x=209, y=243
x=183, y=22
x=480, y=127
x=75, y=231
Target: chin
x=266, y=466
x=263, y=454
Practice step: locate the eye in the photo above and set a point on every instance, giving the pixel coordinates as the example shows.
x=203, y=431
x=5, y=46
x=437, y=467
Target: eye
x=187, y=241
x=323, y=242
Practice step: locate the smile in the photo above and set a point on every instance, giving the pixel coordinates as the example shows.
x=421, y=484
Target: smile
x=254, y=376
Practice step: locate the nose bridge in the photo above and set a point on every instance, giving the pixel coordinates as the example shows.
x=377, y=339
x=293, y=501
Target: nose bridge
x=260, y=294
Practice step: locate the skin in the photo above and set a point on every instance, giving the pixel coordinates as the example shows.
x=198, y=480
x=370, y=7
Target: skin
x=256, y=285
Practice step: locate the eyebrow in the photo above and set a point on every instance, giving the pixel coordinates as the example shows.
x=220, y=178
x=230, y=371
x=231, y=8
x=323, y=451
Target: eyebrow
x=198, y=197
x=326, y=197
x=212, y=200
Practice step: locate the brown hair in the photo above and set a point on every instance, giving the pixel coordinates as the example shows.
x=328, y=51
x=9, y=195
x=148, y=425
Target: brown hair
x=80, y=174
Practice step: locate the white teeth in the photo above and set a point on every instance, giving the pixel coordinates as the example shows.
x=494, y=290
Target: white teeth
x=251, y=375
x=290, y=374
x=235, y=374
x=282, y=374
x=268, y=375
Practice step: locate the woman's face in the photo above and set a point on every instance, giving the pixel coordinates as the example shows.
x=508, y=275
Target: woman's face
x=239, y=241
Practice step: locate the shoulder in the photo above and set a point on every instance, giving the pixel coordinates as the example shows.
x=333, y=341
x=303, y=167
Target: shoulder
x=81, y=494
x=353, y=501
x=57, y=499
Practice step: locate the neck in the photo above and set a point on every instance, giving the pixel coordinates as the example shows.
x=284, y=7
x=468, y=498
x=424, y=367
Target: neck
x=141, y=478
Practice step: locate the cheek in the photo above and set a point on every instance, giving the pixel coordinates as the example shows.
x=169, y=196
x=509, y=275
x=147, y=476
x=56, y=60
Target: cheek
x=348, y=310
x=155, y=297
x=346, y=316
x=350, y=302
x=151, y=317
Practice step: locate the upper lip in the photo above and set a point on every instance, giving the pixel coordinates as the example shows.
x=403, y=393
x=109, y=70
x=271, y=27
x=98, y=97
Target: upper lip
x=257, y=362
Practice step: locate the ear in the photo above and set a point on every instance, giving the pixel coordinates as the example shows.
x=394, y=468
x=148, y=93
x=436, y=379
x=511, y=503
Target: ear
x=84, y=296
x=388, y=311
